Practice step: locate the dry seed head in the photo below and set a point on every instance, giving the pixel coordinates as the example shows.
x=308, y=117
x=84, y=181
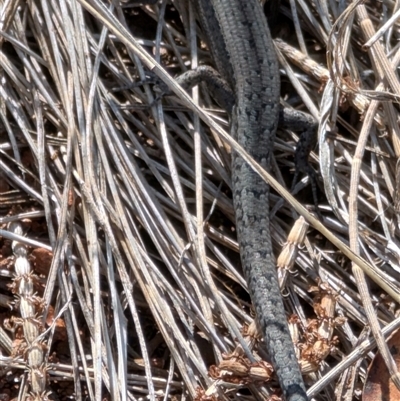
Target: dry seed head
x=30, y=307
x=37, y=378
x=22, y=266
x=35, y=355
x=31, y=329
x=27, y=308
x=16, y=228
x=39, y=397
x=25, y=285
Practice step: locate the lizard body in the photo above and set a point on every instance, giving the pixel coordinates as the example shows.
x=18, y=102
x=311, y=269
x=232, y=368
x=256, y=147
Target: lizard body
x=241, y=45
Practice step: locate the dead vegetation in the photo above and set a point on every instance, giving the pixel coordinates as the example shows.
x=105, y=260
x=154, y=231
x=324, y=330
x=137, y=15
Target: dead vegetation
x=122, y=198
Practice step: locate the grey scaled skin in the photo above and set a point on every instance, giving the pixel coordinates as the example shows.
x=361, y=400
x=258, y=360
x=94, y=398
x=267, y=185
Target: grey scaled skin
x=243, y=51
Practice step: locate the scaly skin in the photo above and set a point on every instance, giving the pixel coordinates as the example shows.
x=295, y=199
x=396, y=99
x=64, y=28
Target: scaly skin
x=243, y=51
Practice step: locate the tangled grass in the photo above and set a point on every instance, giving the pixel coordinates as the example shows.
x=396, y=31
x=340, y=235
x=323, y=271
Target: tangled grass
x=122, y=201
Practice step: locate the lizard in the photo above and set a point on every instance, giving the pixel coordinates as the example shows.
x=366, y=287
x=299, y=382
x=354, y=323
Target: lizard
x=240, y=42
x=242, y=48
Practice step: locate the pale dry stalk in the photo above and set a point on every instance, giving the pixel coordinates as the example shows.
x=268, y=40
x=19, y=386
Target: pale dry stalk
x=30, y=308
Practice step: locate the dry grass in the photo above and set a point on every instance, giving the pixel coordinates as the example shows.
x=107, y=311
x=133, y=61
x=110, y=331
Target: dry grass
x=126, y=210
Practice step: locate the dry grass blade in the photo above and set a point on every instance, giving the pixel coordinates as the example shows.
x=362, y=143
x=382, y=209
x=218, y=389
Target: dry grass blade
x=143, y=295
